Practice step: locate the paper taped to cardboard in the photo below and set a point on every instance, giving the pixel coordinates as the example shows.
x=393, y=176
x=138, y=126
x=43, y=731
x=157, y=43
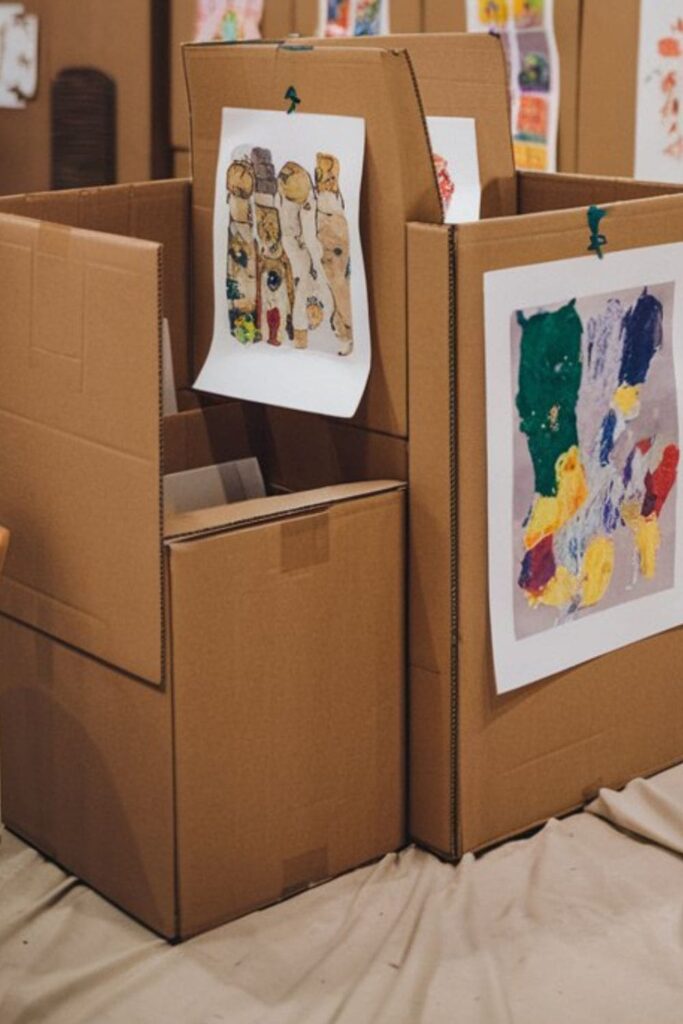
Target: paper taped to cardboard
x=228, y=21
x=291, y=321
x=659, y=103
x=454, y=149
x=18, y=56
x=527, y=32
x=353, y=18
x=584, y=378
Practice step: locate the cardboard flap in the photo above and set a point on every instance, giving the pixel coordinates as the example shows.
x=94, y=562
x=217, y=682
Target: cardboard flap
x=79, y=422
x=464, y=75
x=399, y=180
x=247, y=513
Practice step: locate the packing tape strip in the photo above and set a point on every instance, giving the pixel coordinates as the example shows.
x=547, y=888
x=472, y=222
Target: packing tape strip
x=305, y=542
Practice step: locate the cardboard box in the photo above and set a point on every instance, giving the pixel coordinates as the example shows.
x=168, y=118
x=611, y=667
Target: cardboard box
x=132, y=51
x=451, y=16
x=608, y=88
x=202, y=711
x=182, y=163
x=485, y=767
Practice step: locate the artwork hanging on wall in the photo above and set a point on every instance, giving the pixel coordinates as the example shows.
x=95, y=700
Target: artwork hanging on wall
x=291, y=309
x=353, y=18
x=659, y=103
x=228, y=21
x=584, y=370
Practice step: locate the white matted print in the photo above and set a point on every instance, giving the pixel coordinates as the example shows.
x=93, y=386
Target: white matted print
x=291, y=323
x=584, y=377
x=353, y=18
x=659, y=103
x=18, y=56
x=454, y=150
x=228, y=21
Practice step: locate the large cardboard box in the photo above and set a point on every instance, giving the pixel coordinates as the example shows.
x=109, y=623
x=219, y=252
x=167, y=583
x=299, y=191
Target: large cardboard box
x=202, y=710
x=450, y=16
x=608, y=89
x=225, y=637
x=484, y=767
x=130, y=47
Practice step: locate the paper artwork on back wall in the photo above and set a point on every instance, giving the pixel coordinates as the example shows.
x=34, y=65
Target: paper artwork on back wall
x=584, y=375
x=291, y=321
x=659, y=103
x=353, y=18
x=228, y=21
x=18, y=56
x=454, y=150
x=527, y=32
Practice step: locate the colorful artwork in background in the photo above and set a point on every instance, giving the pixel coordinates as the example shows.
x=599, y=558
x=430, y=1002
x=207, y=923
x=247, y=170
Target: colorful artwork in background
x=456, y=161
x=659, y=104
x=291, y=317
x=228, y=21
x=596, y=404
x=584, y=380
x=18, y=56
x=353, y=17
x=527, y=33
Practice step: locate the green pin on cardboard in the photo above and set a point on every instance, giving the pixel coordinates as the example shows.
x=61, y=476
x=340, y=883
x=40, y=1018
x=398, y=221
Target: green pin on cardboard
x=598, y=239
x=294, y=100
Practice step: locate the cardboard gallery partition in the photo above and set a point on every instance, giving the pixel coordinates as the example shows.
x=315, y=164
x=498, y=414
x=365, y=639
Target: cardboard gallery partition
x=451, y=16
x=486, y=766
x=202, y=711
x=126, y=53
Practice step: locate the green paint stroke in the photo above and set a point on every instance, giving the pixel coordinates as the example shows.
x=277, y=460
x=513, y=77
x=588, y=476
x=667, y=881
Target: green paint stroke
x=549, y=382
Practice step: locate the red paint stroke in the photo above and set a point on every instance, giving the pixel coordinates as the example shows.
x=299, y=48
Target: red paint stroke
x=658, y=484
x=444, y=179
x=669, y=47
x=538, y=567
x=273, y=318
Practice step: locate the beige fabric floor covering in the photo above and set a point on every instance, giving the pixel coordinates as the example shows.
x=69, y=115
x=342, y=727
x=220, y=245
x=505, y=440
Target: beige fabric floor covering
x=581, y=924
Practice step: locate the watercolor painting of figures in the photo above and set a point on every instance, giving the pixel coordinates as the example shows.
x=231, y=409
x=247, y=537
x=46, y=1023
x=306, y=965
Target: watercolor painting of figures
x=291, y=320
x=597, y=454
x=659, y=105
x=228, y=21
x=584, y=360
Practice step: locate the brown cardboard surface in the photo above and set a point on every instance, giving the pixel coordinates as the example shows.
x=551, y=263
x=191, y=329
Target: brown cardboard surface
x=79, y=460
x=182, y=164
x=135, y=58
x=462, y=75
x=375, y=84
x=607, y=104
x=317, y=785
x=451, y=16
x=521, y=758
x=540, y=193
x=87, y=770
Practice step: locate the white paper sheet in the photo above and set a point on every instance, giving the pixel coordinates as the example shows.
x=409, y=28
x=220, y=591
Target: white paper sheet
x=18, y=56
x=291, y=324
x=659, y=104
x=454, y=148
x=353, y=17
x=228, y=21
x=599, y=564
x=170, y=395
x=527, y=31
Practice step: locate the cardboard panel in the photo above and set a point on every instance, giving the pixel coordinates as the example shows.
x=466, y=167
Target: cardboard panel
x=544, y=192
x=87, y=37
x=451, y=16
x=87, y=771
x=399, y=181
x=79, y=459
x=296, y=744
x=462, y=75
x=182, y=164
x=547, y=748
x=607, y=104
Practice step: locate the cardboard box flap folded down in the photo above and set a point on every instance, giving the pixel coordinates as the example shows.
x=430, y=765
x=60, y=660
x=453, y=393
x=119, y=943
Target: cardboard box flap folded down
x=399, y=180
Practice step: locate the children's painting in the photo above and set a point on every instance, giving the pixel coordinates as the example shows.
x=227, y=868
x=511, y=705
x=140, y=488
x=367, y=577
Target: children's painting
x=18, y=56
x=456, y=161
x=527, y=32
x=228, y=21
x=291, y=310
x=588, y=488
x=353, y=18
x=659, y=105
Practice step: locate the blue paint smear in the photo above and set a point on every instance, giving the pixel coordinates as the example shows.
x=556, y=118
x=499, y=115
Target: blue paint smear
x=609, y=425
x=642, y=336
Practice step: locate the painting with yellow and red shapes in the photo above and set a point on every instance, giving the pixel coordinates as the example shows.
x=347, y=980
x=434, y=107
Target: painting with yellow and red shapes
x=596, y=454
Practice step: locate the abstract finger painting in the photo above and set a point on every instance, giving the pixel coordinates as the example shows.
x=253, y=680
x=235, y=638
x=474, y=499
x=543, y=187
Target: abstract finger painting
x=291, y=313
x=593, y=399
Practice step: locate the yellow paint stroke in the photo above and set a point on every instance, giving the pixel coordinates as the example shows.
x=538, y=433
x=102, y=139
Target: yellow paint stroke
x=558, y=592
x=598, y=565
x=549, y=514
x=627, y=400
x=493, y=12
x=646, y=535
